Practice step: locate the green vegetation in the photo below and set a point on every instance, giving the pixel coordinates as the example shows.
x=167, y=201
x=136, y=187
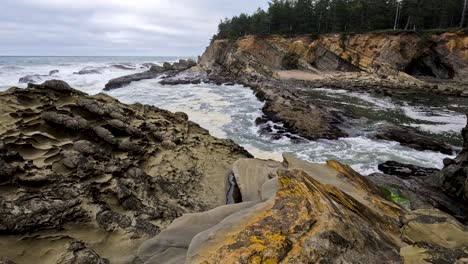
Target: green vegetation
x=325, y=16
x=397, y=197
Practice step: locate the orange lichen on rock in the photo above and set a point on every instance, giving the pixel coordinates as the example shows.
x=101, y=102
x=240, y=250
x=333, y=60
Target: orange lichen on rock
x=306, y=220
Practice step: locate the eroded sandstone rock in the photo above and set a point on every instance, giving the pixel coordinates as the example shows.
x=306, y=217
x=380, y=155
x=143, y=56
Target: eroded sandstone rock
x=99, y=175
x=291, y=218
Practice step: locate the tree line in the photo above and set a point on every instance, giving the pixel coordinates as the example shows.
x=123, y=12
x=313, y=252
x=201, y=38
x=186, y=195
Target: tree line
x=331, y=16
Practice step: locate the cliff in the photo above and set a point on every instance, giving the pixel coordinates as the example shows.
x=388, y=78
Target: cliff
x=395, y=59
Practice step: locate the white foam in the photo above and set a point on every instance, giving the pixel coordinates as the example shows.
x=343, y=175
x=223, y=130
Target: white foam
x=230, y=112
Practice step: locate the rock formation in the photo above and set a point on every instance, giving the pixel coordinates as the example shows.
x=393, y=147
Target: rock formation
x=297, y=115
x=86, y=179
x=154, y=72
x=298, y=212
x=453, y=179
x=390, y=60
x=411, y=137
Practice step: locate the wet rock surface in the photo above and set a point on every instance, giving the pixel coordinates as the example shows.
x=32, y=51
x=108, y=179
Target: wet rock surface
x=98, y=175
x=413, y=138
x=297, y=115
x=405, y=170
x=453, y=178
x=154, y=72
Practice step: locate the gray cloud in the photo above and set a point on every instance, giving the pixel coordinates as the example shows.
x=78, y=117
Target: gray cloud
x=114, y=27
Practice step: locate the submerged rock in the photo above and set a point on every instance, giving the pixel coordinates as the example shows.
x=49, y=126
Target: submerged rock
x=97, y=175
x=53, y=72
x=35, y=78
x=88, y=71
x=124, y=66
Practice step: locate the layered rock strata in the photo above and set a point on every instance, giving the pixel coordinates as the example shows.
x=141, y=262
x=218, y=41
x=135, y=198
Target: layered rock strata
x=89, y=178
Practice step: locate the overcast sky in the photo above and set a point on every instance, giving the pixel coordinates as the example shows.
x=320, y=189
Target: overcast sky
x=113, y=27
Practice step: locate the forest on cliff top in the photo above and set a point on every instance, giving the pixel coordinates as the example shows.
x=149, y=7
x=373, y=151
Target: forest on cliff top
x=331, y=16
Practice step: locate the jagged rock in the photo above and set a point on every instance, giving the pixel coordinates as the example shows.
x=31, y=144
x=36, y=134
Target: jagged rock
x=413, y=138
x=85, y=168
x=183, y=64
x=298, y=116
x=153, y=72
x=157, y=68
x=453, y=179
x=405, y=170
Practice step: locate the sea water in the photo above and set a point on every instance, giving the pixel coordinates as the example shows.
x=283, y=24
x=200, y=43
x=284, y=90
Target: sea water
x=230, y=111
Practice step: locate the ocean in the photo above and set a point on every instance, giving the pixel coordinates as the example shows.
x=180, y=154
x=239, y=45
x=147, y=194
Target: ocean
x=230, y=111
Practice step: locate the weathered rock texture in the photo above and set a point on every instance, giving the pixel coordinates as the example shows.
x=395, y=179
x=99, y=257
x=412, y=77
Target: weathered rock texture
x=296, y=114
x=298, y=212
x=453, y=179
x=394, y=59
x=86, y=179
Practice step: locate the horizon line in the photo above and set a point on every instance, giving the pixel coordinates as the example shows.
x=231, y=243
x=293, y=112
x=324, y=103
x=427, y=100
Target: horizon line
x=99, y=55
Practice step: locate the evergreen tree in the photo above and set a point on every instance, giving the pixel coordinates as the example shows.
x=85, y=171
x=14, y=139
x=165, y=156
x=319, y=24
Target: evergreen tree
x=325, y=16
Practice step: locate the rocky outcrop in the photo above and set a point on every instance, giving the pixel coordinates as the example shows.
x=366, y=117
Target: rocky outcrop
x=297, y=115
x=394, y=59
x=453, y=179
x=405, y=170
x=37, y=78
x=153, y=72
x=86, y=179
x=299, y=212
x=413, y=138
x=289, y=216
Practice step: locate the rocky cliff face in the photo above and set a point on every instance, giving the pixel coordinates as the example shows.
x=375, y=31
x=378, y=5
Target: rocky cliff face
x=85, y=179
x=400, y=55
